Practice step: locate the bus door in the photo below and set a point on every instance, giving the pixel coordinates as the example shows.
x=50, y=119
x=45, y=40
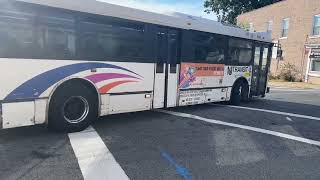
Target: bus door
x=167, y=68
x=260, y=70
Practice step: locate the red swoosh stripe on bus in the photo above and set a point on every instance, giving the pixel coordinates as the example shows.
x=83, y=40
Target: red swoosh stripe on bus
x=106, y=88
x=96, y=78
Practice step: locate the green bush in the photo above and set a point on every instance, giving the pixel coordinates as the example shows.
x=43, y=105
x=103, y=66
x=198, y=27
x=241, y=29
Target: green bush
x=289, y=72
x=274, y=76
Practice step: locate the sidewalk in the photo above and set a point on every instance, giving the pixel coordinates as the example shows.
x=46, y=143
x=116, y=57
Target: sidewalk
x=292, y=85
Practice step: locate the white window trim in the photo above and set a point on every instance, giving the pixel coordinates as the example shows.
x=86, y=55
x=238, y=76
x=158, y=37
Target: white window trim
x=314, y=73
x=311, y=72
x=269, y=25
x=282, y=28
x=314, y=36
x=306, y=77
x=251, y=27
x=312, y=28
x=311, y=66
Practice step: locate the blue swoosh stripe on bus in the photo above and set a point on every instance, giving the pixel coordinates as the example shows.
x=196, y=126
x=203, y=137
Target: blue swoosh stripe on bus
x=34, y=87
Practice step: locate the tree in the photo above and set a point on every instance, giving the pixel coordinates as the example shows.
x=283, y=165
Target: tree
x=228, y=10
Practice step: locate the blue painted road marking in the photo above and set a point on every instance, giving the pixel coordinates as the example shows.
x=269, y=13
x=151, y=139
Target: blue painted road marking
x=181, y=170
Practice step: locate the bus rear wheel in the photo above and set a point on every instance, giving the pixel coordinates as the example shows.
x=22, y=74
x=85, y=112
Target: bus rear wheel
x=240, y=92
x=73, y=107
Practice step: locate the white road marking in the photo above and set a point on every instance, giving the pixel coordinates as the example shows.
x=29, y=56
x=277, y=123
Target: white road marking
x=288, y=118
x=263, y=131
x=271, y=111
x=299, y=149
x=95, y=160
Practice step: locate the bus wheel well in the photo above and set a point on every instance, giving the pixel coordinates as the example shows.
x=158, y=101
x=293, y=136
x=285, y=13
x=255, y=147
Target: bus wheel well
x=240, y=80
x=240, y=91
x=73, y=106
x=77, y=81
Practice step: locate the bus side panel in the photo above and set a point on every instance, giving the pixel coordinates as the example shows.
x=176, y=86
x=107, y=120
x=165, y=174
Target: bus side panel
x=172, y=89
x=201, y=75
x=232, y=73
x=200, y=83
x=203, y=83
x=34, y=80
x=129, y=103
x=129, y=92
x=17, y=114
x=45, y=74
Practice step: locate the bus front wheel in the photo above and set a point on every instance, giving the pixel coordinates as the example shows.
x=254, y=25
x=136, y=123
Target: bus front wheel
x=72, y=108
x=240, y=92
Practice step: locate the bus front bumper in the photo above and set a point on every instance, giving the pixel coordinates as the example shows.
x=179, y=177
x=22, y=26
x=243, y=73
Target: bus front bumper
x=22, y=113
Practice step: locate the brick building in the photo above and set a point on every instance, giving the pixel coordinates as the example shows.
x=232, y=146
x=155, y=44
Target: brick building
x=295, y=25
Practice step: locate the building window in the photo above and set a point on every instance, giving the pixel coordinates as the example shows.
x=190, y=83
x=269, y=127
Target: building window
x=316, y=26
x=315, y=65
x=285, y=27
x=251, y=27
x=269, y=25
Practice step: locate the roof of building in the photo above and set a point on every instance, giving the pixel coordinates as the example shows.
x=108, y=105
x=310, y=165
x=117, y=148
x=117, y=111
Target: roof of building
x=267, y=6
x=171, y=19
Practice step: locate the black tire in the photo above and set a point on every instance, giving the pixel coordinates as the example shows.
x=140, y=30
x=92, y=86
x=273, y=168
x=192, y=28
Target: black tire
x=240, y=92
x=235, y=98
x=73, y=107
x=245, y=92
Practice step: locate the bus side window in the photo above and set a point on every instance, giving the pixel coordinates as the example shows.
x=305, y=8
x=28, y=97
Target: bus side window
x=186, y=46
x=217, y=52
x=56, y=35
x=265, y=58
x=201, y=46
x=103, y=38
x=208, y=48
x=90, y=48
x=174, y=55
x=162, y=49
x=240, y=52
x=17, y=35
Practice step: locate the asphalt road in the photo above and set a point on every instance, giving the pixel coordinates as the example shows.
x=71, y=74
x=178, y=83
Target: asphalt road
x=205, y=142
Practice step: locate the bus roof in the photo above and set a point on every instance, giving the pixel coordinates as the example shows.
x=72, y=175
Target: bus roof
x=171, y=19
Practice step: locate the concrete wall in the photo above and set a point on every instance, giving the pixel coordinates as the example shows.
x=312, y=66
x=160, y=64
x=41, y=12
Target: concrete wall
x=314, y=79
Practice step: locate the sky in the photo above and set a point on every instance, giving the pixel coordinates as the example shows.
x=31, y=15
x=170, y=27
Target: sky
x=192, y=7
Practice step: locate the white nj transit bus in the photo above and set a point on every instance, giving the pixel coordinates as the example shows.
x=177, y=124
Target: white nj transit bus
x=64, y=63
